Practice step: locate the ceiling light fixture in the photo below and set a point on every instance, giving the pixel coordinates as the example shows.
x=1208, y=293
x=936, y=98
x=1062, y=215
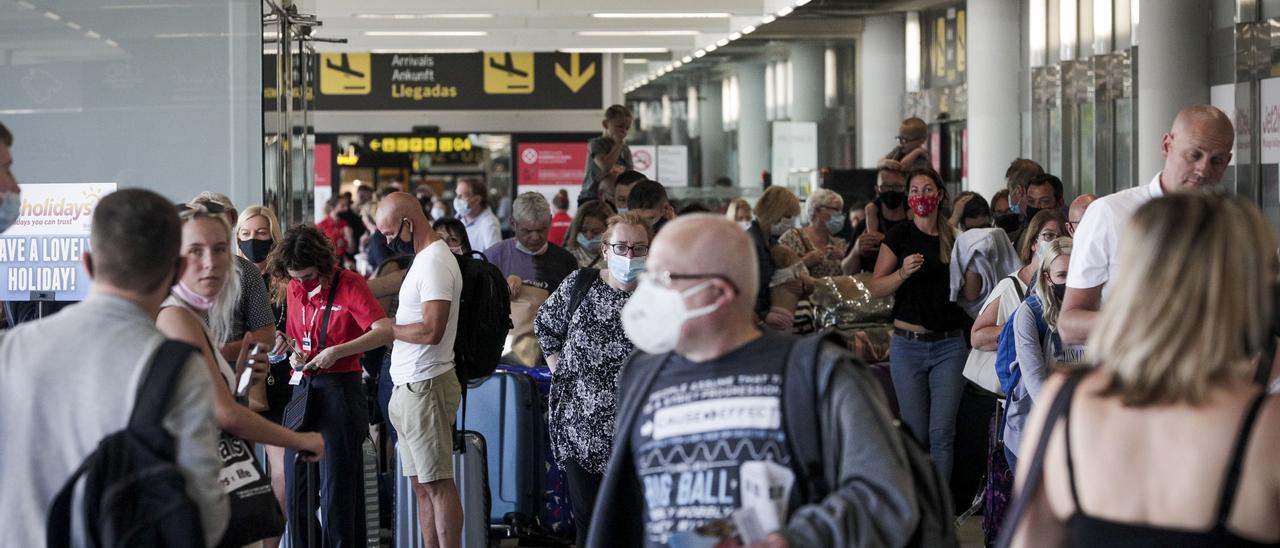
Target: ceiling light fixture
x=51, y=15
x=614, y=50
x=767, y=19
x=674, y=15
x=748, y=29
x=700, y=54
x=735, y=36
x=687, y=59
x=800, y=3
x=635, y=61
x=722, y=42
x=785, y=11
x=638, y=33
x=424, y=16
x=455, y=33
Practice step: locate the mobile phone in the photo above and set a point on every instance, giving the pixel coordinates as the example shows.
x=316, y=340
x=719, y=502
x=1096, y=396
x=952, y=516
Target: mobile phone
x=243, y=389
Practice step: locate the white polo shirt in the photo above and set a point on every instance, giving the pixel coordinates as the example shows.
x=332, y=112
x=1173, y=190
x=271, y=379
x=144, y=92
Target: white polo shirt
x=1097, y=240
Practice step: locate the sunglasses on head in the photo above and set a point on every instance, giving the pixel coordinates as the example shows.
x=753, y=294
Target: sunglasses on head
x=202, y=206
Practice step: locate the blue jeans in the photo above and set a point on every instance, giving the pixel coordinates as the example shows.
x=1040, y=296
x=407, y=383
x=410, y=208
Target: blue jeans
x=928, y=378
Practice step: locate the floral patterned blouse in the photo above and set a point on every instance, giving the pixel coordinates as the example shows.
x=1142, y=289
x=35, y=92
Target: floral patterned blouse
x=798, y=242
x=584, y=387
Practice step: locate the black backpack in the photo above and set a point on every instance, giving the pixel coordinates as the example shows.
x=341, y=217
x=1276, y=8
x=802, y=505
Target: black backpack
x=801, y=421
x=484, y=318
x=134, y=494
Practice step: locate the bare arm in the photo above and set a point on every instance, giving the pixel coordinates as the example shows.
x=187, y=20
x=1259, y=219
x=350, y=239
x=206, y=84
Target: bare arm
x=607, y=160
x=1079, y=310
x=887, y=277
x=1040, y=526
x=264, y=336
x=381, y=333
x=435, y=318
x=985, y=332
x=873, y=217
x=180, y=324
x=972, y=288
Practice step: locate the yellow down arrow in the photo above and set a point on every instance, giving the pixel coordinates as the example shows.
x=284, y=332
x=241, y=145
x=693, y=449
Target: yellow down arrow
x=574, y=79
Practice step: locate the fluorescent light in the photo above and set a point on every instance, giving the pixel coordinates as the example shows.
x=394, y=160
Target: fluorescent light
x=426, y=51
x=767, y=19
x=677, y=64
x=424, y=16
x=638, y=33
x=712, y=48
x=722, y=42
x=24, y=4
x=735, y=36
x=51, y=15
x=675, y=15
x=635, y=61
x=92, y=34
x=801, y=2
x=613, y=50
x=687, y=59
x=748, y=29
x=426, y=33
x=700, y=54
x=785, y=11
x=112, y=43
x=74, y=25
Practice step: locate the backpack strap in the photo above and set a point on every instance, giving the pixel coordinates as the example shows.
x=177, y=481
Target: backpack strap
x=1035, y=474
x=581, y=285
x=155, y=392
x=801, y=417
x=328, y=307
x=1017, y=287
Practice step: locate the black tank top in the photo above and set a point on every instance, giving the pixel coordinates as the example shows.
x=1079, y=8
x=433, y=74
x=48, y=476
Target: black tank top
x=1084, y=530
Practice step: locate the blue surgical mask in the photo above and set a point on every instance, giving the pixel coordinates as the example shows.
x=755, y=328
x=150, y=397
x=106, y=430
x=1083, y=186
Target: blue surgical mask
x=588, y=244
x=1044, y=248
x=622, y=210
x=461, y=207
x=10, y=208
x=625, y=269
x=1013, y=208
x=835, y=223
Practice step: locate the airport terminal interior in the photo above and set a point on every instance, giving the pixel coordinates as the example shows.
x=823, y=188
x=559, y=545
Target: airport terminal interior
x=687, y=273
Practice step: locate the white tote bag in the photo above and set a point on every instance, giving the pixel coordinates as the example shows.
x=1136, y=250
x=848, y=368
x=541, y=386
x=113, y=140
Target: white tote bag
x=980, y=368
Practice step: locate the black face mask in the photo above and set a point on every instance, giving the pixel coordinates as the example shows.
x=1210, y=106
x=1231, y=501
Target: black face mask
x=1010, y=222
x=256, y=250
x=1060, y=291
x=401, y=247
x=1031, y=212
x=893, y=199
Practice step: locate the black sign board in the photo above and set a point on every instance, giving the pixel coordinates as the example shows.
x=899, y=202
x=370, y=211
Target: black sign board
x=453, y=81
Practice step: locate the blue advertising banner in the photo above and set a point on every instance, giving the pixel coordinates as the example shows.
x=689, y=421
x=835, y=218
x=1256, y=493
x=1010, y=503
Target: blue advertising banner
x=40, y=253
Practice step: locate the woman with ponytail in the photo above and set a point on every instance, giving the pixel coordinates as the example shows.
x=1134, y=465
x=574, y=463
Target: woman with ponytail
x=928, y=351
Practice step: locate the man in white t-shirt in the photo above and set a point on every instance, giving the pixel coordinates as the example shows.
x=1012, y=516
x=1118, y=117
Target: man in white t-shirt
x=1196, y=152
x=426, y=395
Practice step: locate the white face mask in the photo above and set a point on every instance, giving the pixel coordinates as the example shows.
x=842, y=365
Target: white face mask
x=654, y=315
x=528, y=251
x=782, y=226
x=461, y=207
x=437, y=213
x=744, y=225
x=625, y=269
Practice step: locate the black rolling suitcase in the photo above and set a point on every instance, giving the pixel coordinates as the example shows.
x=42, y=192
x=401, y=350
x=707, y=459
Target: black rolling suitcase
x=308, y=532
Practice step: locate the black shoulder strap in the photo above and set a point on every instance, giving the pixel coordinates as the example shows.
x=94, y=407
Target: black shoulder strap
x=1017, y=286
x=1232, y=481
x=152, y=400
x=581, y=285
x=156, y=390
x=1035, y=474
x=801, y=417
x=328, y=307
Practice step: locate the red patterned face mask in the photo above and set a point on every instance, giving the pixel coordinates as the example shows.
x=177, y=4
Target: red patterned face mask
x=924, y=205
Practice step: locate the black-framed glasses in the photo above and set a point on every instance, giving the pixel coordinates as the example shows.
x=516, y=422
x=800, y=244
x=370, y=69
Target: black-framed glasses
x=636, y=250
x=665, y=277
x=1073, y=225
x=1049, y=236
x=904, y=140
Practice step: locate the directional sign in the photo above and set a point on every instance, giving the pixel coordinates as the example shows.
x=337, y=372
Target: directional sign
x=449, y=81
x=574, y=78
x=345, y=74
x=508, y=72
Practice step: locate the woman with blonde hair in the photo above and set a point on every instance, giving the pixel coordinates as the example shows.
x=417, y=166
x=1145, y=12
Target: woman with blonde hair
x=1168, y=442
x=776, y=211
x=739, y=211
x=1032, y=335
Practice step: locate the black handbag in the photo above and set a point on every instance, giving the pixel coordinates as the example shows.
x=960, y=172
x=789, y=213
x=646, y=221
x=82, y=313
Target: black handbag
x=296, y=413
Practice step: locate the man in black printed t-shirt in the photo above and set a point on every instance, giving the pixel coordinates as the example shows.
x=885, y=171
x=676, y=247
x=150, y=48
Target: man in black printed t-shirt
x=700, y=430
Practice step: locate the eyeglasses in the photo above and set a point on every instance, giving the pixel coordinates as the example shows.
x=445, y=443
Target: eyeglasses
x=664, y=278
x=1047, y=236
x=637, y=250
x=1073, y=225
x=904, y=140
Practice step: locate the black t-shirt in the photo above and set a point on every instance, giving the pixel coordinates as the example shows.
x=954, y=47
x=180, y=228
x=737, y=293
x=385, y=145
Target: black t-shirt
x=925, y=297
x=699, y=424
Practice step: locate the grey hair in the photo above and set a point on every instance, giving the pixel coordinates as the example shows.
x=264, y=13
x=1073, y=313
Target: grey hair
x=531, y=207
x=818, y=198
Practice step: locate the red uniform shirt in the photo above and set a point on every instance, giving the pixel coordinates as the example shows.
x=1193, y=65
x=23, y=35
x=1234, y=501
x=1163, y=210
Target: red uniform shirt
x=559, y=227
x=336, y=232
x=354, y=311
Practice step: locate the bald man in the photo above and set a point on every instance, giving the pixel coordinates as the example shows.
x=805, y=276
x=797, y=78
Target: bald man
x=426, y=394
x=910, y=153
x=1075, y=212
x=1196, y=152
x=688, y=439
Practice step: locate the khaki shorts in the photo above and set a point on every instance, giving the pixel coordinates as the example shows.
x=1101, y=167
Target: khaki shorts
x=423, y=413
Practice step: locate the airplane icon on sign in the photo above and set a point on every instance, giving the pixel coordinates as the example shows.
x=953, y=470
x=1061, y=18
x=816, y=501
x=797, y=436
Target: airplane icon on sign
x=509, y=67
x=345, y=67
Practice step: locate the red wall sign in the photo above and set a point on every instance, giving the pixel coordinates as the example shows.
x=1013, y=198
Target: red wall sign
x=551, y=163
x=323, y=159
